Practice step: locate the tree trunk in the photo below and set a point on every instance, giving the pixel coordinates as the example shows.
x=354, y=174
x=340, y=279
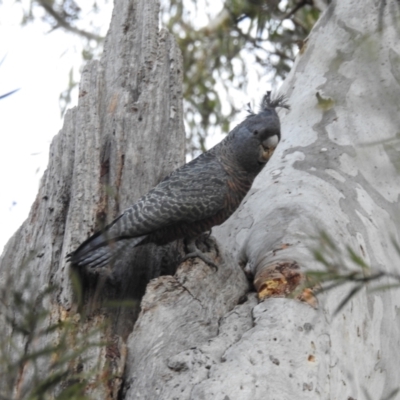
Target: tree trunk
x=123, y=137
x=200, y=334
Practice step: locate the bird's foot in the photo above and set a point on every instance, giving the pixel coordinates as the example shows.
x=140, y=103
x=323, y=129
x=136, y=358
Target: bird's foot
x=195, y=252
x=202, y=257
x=208, y=234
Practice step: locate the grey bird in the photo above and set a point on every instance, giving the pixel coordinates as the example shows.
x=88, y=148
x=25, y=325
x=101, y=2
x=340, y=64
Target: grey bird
x=195, y=197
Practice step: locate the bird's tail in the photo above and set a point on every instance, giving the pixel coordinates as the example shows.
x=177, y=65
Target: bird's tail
x=99, y=250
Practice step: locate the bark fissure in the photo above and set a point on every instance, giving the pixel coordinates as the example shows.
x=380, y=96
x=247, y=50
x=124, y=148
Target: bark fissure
x=96, y=168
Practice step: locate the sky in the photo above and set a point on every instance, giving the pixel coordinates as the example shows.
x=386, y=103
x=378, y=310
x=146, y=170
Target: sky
x=37, y=63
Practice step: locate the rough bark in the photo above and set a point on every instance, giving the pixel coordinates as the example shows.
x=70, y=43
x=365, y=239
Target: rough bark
x=124, y=136
x=198, y=336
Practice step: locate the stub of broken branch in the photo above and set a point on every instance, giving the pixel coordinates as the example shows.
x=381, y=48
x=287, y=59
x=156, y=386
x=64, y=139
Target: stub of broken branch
x=278, y=279
x=281, y=279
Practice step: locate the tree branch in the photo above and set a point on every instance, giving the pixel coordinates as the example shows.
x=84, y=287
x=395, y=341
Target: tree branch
x=61, y=22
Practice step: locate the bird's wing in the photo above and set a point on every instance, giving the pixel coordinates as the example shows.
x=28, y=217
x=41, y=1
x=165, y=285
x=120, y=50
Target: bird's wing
x=193, y=192
x=99, y=250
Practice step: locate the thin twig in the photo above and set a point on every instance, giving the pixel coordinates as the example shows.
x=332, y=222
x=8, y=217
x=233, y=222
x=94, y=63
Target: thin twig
x=61, y=22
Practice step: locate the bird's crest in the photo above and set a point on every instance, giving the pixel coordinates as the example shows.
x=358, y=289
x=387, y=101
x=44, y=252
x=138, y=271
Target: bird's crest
x=249, y=109
x=267, y=102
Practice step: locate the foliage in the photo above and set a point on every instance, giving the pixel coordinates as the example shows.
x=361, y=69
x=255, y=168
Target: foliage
x=43, y=349
x=346, y=267
x=225, y=45
x=4, y=95
x=244, y=38
x=64, y=14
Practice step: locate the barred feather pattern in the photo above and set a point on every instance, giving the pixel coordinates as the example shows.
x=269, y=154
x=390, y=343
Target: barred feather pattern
x=195, y=197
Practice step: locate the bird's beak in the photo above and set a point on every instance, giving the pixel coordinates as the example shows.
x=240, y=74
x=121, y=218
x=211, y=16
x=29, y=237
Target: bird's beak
x=265, y=154
x=267, y=148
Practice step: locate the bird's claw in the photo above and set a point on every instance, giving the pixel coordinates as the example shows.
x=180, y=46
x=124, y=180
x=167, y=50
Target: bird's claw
x=202, y=257
x=195, y=252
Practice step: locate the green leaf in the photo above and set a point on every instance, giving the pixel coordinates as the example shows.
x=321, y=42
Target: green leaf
x=351, y=294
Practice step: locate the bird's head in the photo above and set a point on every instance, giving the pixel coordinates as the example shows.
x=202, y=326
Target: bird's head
x=255, y=139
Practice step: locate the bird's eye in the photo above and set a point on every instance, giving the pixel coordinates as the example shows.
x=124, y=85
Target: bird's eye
x=255, y=132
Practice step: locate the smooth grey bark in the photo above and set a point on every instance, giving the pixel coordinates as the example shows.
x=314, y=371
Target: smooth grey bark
x=198, y=336
x=335, y=170
x=331, y=172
